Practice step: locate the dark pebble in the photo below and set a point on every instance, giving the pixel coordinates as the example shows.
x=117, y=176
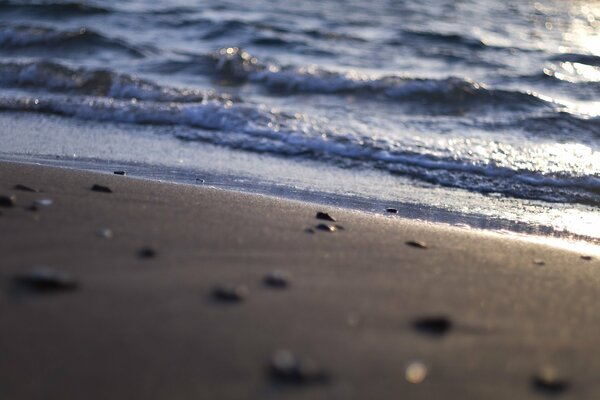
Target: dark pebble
x=44, y=279
x=288, y=369
x=392, y=210
x=548, y=381
x=123, y=173
x=309, y=230
x=25, y=188
x=433, y=326
x=326, y=228
x=276, y=279
x=147, y=252
x=325, y=216
x=586, y=258
x=102, y=189
x=416, y=243
x=199, y=180
x=8, y=201
x=230, y=293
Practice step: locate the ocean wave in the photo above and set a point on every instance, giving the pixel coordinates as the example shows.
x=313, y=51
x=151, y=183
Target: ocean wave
x=258, y=129
x=54, y=77
x=587, y=59
x=239, y=65
x=50, y=39
x=450, y=39
x=51, y=9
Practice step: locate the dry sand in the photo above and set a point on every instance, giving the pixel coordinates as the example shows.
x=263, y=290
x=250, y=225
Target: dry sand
x=472, y=313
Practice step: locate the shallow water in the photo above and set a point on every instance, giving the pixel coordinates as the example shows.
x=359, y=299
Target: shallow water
x=490, y=110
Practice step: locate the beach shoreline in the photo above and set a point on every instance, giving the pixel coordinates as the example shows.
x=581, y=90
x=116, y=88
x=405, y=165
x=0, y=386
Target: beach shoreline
x=171, y=301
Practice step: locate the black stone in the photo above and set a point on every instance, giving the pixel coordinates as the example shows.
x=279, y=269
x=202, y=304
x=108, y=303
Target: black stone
x=102, y=189
x=547, y=381
x=325, y=216
x=286, y=368
x=326, y=228
x=147, y=252
x=120, y=173
x=276, y=279
x=436, y=326
x=586, y=258
x=392, y=210
x=230, y=293
x=43, y=279
x=416, y=243
x=25, y=188
x=8, y=201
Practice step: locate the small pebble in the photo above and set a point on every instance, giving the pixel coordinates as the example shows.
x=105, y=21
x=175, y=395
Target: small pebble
x=436, y=326
x=105, y=233
x=416, y=243
x=123, y=173
x=25, y=188
x=8, y=201
x=230, y=293
x=586, y=258
x=309, y=230
x=100, y=188
x=40, y=203
x=416, y=372
x=537, y=261
x=326, y=228
x=43, y=202
x=392, y=210
x=199, y=180
x=547, y=380
x=44, y=279
x=276, y=279
x=146, y=252
x=289, y=369
x=325, y=216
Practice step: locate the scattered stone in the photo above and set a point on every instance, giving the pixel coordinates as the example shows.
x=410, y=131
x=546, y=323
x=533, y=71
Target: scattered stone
x=44, y=279
x=415, y=372
x=286, y=368
x=326, y=228
x=416, y=243
x=230, y=293
x=43, y=202
x=392, y=210
x=276, y=279
x=548, y=381
x=436, y=326
x=25, y=188
x=537, y=261
x=309, y=230
x=586, y=258
x=100, y=188
x=146, y=252
x=8, y=201
x=40, y=203
x=200, y=180
x=122, y=173
x=105, y=233
x=325, y=216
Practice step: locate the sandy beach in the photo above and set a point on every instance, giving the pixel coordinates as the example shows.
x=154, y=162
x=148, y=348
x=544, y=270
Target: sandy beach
x=163, y=291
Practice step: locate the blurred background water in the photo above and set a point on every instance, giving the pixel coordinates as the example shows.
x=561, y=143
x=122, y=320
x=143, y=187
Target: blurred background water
x=469, y=111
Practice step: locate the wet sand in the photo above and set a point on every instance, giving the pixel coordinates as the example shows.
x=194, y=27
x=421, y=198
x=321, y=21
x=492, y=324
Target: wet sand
x=163, y=291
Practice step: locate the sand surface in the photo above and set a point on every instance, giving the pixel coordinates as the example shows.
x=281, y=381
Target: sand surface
x=472, y=313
